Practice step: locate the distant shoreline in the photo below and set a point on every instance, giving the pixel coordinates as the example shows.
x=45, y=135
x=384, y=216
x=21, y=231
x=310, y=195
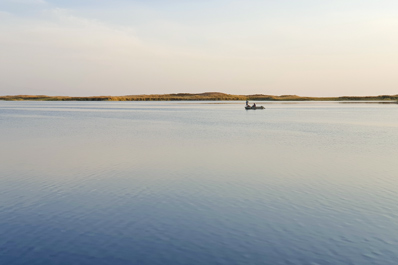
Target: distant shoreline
x=210, y=96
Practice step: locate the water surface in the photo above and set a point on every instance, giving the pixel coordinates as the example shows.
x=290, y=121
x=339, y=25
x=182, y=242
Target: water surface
x=198, y=183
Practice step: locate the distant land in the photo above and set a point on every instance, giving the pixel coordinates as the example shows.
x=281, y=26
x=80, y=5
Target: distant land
x=213, y=96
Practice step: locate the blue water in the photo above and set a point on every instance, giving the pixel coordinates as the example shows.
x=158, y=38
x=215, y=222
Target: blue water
x=198, y=183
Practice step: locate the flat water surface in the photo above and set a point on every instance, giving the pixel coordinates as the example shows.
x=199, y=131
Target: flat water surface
x=186, y=183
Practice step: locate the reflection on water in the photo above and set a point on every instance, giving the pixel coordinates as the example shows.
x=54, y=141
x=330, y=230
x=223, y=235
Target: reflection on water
x=193, y=183
x=368, y=102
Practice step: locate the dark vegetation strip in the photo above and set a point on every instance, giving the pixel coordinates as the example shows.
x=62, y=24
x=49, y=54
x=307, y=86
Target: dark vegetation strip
x=201, y=96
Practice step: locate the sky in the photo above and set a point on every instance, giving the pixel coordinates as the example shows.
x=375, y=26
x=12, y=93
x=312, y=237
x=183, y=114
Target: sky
x=272, y=47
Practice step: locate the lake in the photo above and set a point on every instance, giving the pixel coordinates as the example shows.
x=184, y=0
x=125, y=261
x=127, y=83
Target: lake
x=198, y=183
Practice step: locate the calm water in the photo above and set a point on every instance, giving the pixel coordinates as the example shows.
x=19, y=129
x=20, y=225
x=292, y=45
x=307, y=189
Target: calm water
x=198, y=183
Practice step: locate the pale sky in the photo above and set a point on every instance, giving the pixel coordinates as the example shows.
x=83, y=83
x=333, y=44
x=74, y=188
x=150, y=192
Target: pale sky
x=275, y=47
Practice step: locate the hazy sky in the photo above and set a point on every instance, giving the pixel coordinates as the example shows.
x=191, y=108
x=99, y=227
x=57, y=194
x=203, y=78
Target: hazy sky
x=121, y=47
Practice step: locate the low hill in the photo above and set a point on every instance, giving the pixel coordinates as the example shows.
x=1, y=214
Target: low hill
x=199, y=96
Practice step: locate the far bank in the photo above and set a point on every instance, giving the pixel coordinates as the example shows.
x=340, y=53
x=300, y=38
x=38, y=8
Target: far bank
x=209, y=96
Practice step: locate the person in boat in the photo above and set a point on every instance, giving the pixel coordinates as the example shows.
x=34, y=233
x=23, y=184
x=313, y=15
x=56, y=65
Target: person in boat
x=247, y=103
x=254, y=105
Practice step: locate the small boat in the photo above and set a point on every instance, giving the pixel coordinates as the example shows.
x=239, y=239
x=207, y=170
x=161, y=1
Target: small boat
x=259, y=107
